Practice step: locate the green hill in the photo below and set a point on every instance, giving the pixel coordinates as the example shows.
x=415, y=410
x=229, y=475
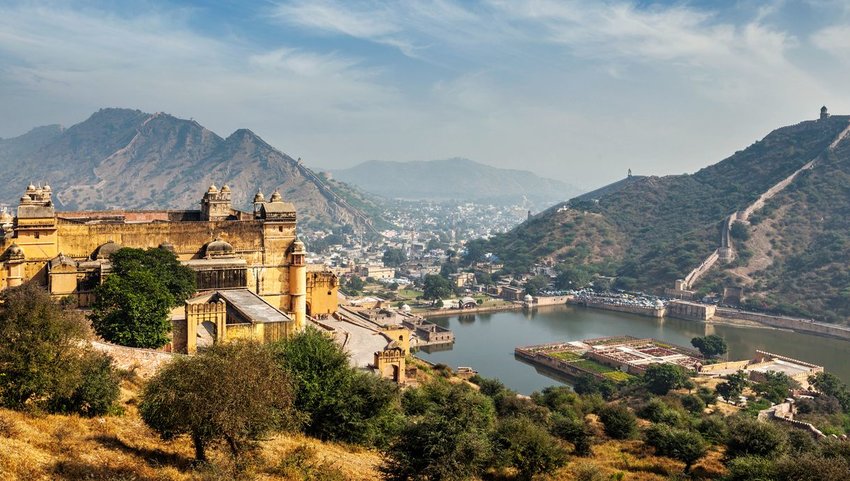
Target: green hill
x=665, y=226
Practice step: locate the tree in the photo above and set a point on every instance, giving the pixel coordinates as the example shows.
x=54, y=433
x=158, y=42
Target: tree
x=528, y=447
x=337, y=402
x=572, y=277
x=775, y=386
x=733, y=387
x=436, y=287
x=39, y=348
x=575, y=431
x=354, y=285
x=131, y=307
x=618, y=421
x=536, y=284
x=829, y=384
x=233, y=393
x=475, y=251
x=96, y=391
x=750, y=437
x=711, y=345
x=739, y=231
x=589, y=385
x=447, y=434
x=686, y=446
x=394, y=257
x=660, y=378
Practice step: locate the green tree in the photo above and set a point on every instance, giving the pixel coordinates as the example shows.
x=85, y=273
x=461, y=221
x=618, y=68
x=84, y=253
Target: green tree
x=618, y=421
x=589, y=385
x=711, y=345
x=528, y=447
x=354, y=285
x=394, y=257
x=775, y=386
x=447, y=434
x=575, y=431
x=732, y=388
x=572, y=277
x=536, y=284
x=686, y=446
x=337, y=402
x=96, y=390
x=750, y=437
x=829, y=384
x=233, y=393
x=131, y=307
x=436, y=287
x=660, y=378
x=39, y=348
x=751, y=468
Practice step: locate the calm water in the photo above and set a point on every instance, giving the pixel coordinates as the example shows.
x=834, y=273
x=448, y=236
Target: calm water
x=486, y=341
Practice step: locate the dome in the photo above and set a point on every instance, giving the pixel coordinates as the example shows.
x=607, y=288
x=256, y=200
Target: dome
x=225, y=188
x=46, y=187
x=212, y=190
x=528, y=298
x=276, y=196
x=259, y=197
x=25, y=198
x=103, y=252
x=298, y=246
x=30, y=188
x=15, y=251
x=405, y=308
x=218, y=248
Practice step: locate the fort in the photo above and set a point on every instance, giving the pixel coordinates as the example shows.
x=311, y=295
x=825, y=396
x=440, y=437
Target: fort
x=250, y=268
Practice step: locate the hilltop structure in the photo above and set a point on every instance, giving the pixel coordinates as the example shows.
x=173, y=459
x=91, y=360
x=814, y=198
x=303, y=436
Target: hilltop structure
x=256, y=253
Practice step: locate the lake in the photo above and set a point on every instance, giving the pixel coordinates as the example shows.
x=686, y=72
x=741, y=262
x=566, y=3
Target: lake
x=486, y=341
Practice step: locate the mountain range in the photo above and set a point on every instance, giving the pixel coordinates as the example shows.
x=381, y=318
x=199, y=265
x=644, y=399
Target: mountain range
x=454, y=179
x=122, y=158
x=791, y=255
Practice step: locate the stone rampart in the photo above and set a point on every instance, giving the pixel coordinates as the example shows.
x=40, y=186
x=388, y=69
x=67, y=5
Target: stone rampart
x=797, y=324
x=639, y=310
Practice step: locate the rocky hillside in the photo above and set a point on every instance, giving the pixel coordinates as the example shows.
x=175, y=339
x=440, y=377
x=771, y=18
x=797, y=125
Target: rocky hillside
x=120, y=158
x=454, y=179
x=665, y=226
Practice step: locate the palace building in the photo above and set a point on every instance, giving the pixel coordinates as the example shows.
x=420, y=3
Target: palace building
x=249, y=262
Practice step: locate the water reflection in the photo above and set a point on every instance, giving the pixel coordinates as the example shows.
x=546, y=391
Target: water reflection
x=488, y=346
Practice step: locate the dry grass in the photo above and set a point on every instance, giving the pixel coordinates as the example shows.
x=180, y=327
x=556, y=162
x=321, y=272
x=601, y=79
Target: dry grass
x=122, y=448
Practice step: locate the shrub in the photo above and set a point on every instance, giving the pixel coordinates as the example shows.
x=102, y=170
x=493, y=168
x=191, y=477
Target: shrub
x=658, y=411
x=713, y=428
x=337, y=401
x=693, y=403
x=681, y=444
x=575, y=431
x=618, y=421
x=96, y=391
x=528, y=447
x=589, y=385
x=749, y=437
x=661, y=378
x=447, y=434
x=233, y=393
x=751, y=468
x=39, y=348
x=811, y=467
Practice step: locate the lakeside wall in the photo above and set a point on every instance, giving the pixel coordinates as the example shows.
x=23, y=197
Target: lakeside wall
x=639, y=310
x=796, y=324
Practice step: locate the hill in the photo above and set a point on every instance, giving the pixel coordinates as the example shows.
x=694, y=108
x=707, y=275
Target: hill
x=454, y=179
x=131, y=159
x=663, y=227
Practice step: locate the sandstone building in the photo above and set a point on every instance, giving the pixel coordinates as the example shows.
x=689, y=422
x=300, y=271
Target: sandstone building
x=230, y=250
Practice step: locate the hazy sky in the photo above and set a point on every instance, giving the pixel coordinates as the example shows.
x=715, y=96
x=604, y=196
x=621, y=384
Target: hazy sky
x=579, y=91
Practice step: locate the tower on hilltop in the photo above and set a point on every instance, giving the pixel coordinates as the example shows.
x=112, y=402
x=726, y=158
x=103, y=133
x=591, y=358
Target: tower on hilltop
x=823, y=113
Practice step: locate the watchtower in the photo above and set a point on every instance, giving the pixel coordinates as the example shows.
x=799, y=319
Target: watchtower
x=824, y=114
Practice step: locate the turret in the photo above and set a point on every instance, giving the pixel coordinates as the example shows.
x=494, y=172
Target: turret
x=298, y=284
x=824, y=114
x=216, y=203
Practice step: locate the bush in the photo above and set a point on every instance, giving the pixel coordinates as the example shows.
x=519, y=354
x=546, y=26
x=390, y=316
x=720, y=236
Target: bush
x=589, y=385
x=96, y=391
x=751, y=468
x=681, y=444
x=714, y=429
x=337, y=401
x=661, y=378
x=447, y=434
x=39, y=348
x=618, y=421
x=749, y=437
x=693, y=403
x=233, y=393
x=528, y=447
x=575, y=431
x=811, y=467
x=658, y=411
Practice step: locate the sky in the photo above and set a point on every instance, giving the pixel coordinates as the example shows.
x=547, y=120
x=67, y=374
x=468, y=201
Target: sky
x=577, y=91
